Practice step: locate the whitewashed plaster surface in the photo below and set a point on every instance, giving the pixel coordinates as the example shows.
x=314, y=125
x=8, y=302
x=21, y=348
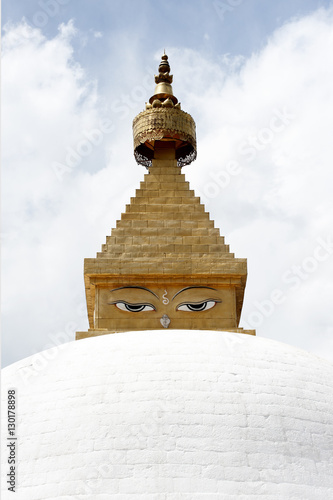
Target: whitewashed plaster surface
x=172, y=415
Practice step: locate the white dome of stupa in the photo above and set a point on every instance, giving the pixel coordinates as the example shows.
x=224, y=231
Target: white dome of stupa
x=172, y=414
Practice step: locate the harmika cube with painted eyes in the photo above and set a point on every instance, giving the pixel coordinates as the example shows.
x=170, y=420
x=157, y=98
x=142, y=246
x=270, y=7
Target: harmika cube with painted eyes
x=165, y=265
x=153, y=306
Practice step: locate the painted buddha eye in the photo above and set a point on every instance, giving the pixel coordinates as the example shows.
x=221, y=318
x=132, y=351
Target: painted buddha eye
x=125, y=306
x=197, y=306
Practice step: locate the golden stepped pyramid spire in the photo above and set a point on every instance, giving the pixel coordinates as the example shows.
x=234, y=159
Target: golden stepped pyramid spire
x=165, y=265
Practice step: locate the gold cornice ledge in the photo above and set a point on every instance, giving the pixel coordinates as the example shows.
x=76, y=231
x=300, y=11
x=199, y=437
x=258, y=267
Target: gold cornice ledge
x=103, y=331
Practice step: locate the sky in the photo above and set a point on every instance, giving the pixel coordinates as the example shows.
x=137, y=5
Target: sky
x=256, y=76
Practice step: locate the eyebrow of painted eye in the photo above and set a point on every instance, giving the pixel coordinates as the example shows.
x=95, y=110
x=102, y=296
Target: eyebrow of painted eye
x=130, y=303
x=190, y=287
x=135, y=287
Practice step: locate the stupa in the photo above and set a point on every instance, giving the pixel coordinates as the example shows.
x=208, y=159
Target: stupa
x=165, y=397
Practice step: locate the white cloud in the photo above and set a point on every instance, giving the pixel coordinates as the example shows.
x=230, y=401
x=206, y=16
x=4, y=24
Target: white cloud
x=276, y=208
x=272, y=212
x=50, y=108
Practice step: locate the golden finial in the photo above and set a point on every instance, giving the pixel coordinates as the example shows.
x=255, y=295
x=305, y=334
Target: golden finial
x=163, y=120
x=163, y=80
x=164, y=68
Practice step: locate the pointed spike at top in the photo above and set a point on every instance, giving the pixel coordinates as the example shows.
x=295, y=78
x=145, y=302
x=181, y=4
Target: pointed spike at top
x=164, y=66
